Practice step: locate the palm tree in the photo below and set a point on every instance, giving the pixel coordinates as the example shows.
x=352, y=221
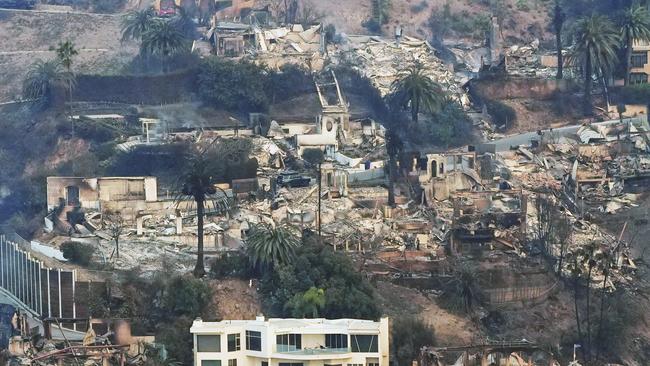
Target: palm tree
x=269, y=246
x=165, y=40
x=417, y=91
x=43, y=77
x=558, y=22
x=308, y=303
x=465, y=292
x=184, y=22
x=136, y=23
x=198, y=183
x=594, y=51
x=635, y=26
x=65, y=52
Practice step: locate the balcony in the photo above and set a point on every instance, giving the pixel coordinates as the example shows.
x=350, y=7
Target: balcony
x=313, y=351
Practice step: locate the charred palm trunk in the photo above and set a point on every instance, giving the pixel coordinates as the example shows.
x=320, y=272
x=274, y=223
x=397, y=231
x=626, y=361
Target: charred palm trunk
x=558, y=23
x=588, y=106
x=415, y=110
x=602, y=307
x=560, y=57
x=628, y=58
x=591, y=267
x=199, y=269
x=576, y=287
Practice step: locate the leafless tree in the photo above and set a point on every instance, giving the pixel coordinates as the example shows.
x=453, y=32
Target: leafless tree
x=563, y=234
x=545, y=213
x=114, y=224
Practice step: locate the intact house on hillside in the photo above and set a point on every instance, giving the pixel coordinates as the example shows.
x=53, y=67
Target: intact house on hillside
x=291, y=342
x=640, y=67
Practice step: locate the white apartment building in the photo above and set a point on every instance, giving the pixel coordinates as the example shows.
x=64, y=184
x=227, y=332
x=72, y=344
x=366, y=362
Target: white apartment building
x=291, y=342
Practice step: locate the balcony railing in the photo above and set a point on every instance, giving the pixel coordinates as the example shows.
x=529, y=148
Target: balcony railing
x=313, y=351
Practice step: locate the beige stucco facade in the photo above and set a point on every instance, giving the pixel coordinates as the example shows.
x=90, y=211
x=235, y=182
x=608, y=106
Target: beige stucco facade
x=640, y=68
x=92, y=192
x=344, y=342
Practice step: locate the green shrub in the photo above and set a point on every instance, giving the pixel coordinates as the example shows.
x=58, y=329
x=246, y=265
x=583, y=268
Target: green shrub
x=419, y=7
x=106, y=6
x=522, y=5
x=230, y=265
x=464, y=23
x=78, y=253
x=177, y=339
x=408, y=336
x=634, y=94
x=349, y=295
x=186, y=296
x=234, y=86
x=313, y=156
x=290, y=81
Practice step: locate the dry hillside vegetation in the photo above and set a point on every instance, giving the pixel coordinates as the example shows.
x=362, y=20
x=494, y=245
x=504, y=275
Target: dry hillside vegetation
x=526, y=19
x=28, y=36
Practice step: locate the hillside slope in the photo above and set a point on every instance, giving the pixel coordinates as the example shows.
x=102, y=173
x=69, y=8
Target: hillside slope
x=523, y=19
x=28, y=36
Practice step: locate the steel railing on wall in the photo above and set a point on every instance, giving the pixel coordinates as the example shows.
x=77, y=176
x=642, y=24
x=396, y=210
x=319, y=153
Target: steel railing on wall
x=36, y=288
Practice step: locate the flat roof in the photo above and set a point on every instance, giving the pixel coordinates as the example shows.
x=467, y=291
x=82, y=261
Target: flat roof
x=123, y=178
x=304, y=326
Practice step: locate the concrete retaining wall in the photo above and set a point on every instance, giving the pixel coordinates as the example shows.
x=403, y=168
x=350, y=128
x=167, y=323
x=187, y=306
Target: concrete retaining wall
x=137, y=89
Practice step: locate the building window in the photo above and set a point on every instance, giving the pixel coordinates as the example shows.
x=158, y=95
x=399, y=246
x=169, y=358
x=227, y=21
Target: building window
x=234, y=342
x=355, y=364
x=336, y=341
x=208, y=343
x=638, y=78
x=265, y=363
x=289, y=342
x=253, y=340
x=639, y=59
x=210, y=363
x=364, y=343
x=373, y=364
x=292, y=364
x=232, y=362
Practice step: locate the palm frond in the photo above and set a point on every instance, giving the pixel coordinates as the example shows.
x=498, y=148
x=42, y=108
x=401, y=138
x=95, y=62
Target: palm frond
x=163, y=38
x=135, y=23
x=43, y=77
x=269, y=246
x=596, y=39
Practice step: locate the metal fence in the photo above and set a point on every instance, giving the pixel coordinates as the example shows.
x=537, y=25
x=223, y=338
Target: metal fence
x=504, y=296
x=43, y=291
